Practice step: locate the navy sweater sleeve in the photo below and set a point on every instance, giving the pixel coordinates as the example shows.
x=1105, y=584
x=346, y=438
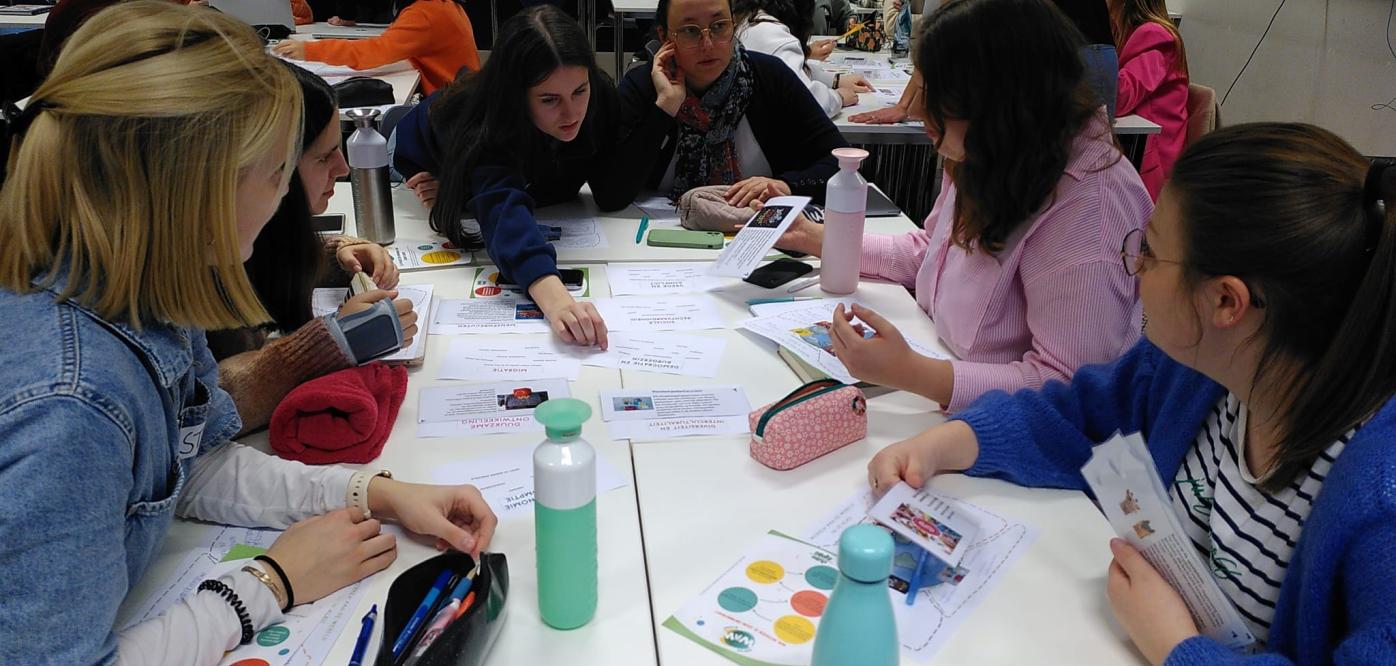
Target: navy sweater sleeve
x=512, y=237
x=1043, y=437
x=648, y=123
x=416, y=147
x=630, y=136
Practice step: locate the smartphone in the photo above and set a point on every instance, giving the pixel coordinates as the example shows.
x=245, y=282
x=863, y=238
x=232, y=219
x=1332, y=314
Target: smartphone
x=778, y=272
x=571, y=277
x=555, y=233
x=707, y=240
x=332, y=223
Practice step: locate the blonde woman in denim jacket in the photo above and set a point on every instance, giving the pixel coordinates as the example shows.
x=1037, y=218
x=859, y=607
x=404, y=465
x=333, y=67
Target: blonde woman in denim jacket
x=146, y=165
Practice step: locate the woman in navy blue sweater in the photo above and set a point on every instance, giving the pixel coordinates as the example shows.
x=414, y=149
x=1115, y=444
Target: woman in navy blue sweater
x=1264, y=390
x=717, y=114
x=534, y=124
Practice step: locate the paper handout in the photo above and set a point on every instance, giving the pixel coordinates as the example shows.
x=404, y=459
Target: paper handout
x=745, y=252
x=515, y=358
x=413, y=255
x=665, y=413
x=805, y=328
x=481, y=409
x=325, y=301
x=1122, y=475
x=506, y=480
x=659, y=313
x=668, y=353
x=927, y=520
x=659, y=278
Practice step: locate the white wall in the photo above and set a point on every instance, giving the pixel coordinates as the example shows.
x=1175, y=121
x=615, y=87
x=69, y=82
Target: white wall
x=1325, y=62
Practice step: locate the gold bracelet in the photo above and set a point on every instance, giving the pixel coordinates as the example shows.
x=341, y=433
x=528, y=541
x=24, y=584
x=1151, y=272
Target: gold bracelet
x=267, y=580
x=358, y=490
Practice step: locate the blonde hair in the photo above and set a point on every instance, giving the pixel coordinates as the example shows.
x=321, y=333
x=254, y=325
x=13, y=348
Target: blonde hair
x=127, y=176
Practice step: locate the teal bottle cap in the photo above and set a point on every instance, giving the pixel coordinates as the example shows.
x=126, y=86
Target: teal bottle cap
x=865, y=553
x=563, y=418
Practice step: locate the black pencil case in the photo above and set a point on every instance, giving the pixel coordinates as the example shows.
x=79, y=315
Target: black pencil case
x=466, y=641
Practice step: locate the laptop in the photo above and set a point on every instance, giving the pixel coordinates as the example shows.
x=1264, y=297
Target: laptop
x=879, y=205
x=24, y=10
x=258, y=12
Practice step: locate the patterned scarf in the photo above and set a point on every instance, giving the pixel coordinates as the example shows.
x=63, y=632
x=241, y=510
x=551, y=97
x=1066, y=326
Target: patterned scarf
x=706, y=151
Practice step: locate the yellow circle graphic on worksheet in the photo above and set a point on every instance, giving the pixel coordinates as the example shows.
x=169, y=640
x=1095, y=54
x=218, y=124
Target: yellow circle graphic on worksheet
x=765, y=572
x=794, y=629
x=440, y=257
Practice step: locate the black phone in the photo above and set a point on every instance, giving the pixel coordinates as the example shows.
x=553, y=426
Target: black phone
x=328, y=224
x=778, y=272
x=571, y=277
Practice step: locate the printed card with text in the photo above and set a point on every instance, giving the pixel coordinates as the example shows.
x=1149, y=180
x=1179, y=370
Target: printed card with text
x=927, y=520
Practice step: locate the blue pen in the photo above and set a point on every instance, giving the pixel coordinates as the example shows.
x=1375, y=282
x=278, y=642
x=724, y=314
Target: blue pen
x=405, y=638
x=914, y=585
x=365, y=633
x=785, y=299
x=640, y=233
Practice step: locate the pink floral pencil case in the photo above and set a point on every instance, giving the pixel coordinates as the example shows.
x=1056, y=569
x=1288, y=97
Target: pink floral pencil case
x=817, y=418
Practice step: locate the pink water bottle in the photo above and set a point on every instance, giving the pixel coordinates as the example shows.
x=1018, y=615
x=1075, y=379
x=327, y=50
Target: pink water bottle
x=845, y=204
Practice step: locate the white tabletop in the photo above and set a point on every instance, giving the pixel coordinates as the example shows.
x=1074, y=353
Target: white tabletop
x=35, y=21
x=1049, y=607
x=695, y=505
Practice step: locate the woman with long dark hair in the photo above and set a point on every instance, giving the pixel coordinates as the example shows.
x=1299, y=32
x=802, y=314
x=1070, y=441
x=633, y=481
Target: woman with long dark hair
x=289, y=261
x=529, y=129
x=1018, y=261
x=1264, y=394
x=434, y=35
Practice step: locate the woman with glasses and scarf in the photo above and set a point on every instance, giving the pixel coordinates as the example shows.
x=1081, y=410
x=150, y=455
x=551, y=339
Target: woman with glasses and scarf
x=724, y=115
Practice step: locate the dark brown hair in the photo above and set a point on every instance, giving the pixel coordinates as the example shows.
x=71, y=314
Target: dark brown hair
x=1012, y=68
x=1290, y=209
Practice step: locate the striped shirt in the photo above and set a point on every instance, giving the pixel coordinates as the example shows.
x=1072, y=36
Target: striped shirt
x=1246, y=534
x=1056, y=297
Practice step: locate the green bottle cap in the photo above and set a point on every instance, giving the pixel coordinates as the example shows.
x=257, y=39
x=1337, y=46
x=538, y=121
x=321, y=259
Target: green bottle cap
x=563, y=418
x=865, y=553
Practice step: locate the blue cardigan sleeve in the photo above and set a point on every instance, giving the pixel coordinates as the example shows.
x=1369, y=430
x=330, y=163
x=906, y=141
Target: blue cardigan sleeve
x=1043, y=437
x=512, y=237
x=415, y=151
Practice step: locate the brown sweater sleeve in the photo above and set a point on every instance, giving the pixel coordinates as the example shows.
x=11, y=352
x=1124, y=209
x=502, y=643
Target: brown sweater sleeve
x=257, y=380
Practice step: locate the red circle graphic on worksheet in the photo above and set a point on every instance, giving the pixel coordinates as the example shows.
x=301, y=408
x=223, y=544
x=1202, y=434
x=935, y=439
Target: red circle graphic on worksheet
x=809, y=603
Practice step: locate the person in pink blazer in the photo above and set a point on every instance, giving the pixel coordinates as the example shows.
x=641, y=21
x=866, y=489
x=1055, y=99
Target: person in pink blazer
x=1153, y=82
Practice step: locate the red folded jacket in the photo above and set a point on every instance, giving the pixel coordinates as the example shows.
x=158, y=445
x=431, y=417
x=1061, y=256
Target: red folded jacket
x=343, y=417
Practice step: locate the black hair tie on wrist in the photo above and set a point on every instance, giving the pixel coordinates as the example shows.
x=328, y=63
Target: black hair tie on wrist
x=285, y=581
x=222, y=590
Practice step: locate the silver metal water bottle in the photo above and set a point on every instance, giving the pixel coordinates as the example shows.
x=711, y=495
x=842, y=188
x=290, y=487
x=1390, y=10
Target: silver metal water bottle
x=368, y=178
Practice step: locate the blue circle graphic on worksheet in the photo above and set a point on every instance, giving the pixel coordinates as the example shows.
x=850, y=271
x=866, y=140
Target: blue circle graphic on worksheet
x=822, y=577
x=737, y=599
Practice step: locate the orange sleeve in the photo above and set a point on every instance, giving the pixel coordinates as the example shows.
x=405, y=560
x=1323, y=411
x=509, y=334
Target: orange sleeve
x=301, y=10
x=410, y=35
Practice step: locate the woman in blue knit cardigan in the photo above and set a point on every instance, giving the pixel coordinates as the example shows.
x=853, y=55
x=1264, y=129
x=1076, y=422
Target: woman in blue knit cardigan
x=1263, y=389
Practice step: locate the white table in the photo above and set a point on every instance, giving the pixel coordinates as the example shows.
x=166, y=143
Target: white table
x=1049, y=607
x=619, y=8
x=401, y=75
x=35, y=21
x=696, y=505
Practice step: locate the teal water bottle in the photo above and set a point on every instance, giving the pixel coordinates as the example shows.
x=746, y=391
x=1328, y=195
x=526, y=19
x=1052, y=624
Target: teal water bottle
x=858, y=626
x=564, y=511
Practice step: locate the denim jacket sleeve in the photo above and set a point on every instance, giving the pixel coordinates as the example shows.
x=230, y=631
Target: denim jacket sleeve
x=63, y=511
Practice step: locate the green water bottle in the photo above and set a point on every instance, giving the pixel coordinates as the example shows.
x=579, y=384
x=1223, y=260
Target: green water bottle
x=564, y=511
x=858, y=626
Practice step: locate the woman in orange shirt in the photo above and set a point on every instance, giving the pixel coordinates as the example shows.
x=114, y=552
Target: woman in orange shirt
x=434, y=35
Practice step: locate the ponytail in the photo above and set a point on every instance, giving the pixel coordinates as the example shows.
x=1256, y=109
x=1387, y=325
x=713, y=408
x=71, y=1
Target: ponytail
x=1310, y=226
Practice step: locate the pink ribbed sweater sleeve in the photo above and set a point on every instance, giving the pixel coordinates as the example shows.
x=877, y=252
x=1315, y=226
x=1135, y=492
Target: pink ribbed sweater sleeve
x=899, y=258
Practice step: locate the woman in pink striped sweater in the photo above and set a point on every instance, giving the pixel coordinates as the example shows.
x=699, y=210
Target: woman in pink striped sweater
x=1019, y=262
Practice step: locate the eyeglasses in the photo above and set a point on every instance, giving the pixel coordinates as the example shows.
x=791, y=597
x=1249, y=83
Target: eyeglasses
x=1135, y=250
x=691, y=36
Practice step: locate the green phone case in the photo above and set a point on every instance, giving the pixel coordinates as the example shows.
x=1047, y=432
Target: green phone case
x=706, y=240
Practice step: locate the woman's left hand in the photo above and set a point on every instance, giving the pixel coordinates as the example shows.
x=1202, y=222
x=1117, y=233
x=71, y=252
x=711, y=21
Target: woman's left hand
x=290, y=48
x=883, y=359
x=456, y=515
x=821, y=49
x=371, y=258
x=1148, y=608
x=754, y=188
